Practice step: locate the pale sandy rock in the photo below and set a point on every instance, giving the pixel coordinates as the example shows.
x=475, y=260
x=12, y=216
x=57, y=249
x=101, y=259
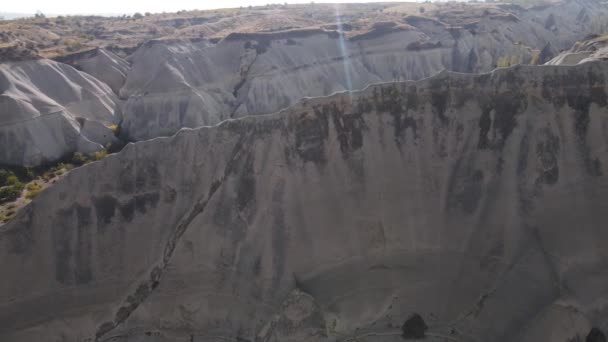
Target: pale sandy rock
x=589, y=50
x=43, y=107
x=475, y=201
x=173, y=85
x=102, y=64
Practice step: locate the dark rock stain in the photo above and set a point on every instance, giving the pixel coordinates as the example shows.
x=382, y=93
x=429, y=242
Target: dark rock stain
x=146, y=175
x=595, y=335
x=547, y=151
x=183, y=108
x=524, y=194
x=142, y=201
x=390, y=100
x=245, y=188
x=62, y=245
x=349, y=129
x=105, y=208
x=126, y=183
x=467, y=191
x=472, y=61
x=311, y=134
x=280, y=235
x=83, y=273
x=440, y=98
x=21, y=240
x=581, y=105
x=485, y=122
x=493, y=134
x=73, y=246
x=127, y=210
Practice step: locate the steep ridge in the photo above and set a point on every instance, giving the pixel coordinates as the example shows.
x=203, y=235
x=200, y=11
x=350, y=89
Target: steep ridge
x=102, y=64
x=335, y=220
x=177, y=84
x=49, y=109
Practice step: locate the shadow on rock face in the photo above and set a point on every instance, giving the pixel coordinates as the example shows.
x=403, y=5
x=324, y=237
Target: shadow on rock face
x=595, y=335
x=414, y=327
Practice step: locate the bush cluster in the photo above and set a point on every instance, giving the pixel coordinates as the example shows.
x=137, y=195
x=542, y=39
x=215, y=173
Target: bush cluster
x=10, y=186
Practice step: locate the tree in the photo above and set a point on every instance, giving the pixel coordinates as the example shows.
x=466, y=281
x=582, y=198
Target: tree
x=137, y=15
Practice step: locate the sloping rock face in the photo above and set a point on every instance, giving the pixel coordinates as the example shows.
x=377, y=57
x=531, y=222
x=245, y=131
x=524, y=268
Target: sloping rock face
x=189, y=84
x=44, y=106
x=179, y=85
x=102, y=64
x=589, y=50
x=476, y=202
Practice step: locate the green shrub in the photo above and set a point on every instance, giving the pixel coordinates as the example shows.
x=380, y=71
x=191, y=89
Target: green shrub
x=33, y=186
x=12, y=180
x=100, y=155
x=11, y=193
x=4, y=174
x=503, y=62
x=7, y=215
x=46, y=176
x=31, y=194
x=66, y=166
x=79, y=159
x=7, y=177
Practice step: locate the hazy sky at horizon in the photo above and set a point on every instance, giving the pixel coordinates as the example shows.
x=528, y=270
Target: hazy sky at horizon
x=130, y=6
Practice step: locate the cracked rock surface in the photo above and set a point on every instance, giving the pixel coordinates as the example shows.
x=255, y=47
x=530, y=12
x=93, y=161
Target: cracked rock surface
x=475, y=201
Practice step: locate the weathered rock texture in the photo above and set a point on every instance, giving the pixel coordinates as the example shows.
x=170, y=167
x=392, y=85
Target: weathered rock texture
x=188, y=84
x=102, y=64
x=593, y=49
x=475, y=201
x=49, y=109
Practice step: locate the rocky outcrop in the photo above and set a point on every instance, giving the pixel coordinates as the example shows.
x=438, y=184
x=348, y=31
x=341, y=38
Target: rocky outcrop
x=595, y=48
x=102, y=64
x=337, y=219
x=49, y=109
x=184, y=84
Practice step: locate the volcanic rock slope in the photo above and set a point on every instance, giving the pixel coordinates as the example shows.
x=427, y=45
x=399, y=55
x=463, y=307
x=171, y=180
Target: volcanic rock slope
x=244, y=70
x=49, y=110
x=475, y=201
x=177, y=84
x=101, y=64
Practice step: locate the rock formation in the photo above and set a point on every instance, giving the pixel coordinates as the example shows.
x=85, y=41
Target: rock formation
x=102, y=64
x=476, y=202
x=593, y=49
x=49, y=109
x=177, y=84
x=253, y=69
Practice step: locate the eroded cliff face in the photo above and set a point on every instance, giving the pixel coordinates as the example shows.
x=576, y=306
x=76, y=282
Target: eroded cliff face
x=49, y=109
x=188, y=84
x=101, y=64
x=474, y=201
